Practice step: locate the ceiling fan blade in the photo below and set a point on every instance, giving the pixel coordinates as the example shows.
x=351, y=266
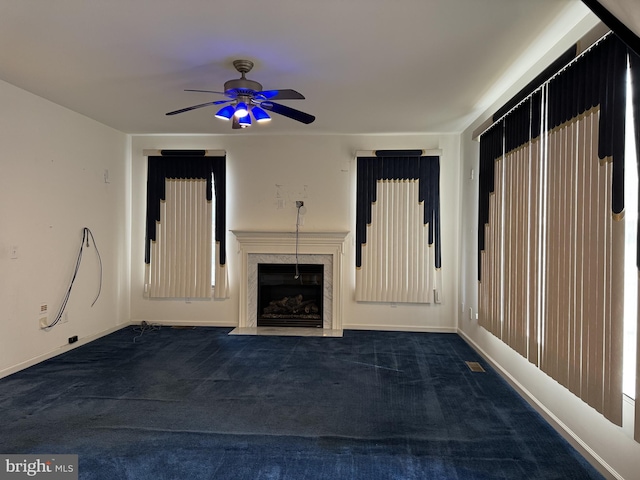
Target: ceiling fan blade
x=288, y=112
x=182, y=110
x=204, y=91
x=286, y=94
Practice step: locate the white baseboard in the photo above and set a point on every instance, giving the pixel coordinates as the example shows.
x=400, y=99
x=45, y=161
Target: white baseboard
x=596, y=460
x=60, y=350
x=183, y=323
x=400, y=328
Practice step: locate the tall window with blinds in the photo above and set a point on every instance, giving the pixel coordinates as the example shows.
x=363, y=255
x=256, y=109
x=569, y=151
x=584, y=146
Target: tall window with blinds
x=551, y=227
x=398, y=228
x=183, y=244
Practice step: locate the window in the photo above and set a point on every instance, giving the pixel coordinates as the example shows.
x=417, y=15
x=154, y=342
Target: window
x=185, y=247
x=398, y=228
x=552, y=227
x=631, y=252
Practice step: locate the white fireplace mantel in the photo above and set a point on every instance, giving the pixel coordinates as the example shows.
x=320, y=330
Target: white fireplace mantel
x=280, y=247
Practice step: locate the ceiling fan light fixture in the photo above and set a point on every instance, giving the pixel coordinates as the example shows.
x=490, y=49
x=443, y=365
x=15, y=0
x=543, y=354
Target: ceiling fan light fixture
x=225, y=113
x=241, y=110
x=247, y=100
x=245, y=121
x=260, y=115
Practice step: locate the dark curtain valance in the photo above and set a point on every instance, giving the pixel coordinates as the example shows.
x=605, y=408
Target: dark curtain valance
x=185, y=166
x=491, y=148
x=517, y=127
x=533, y=86
x=398, y=153
x=424, y=169
x=597, y=78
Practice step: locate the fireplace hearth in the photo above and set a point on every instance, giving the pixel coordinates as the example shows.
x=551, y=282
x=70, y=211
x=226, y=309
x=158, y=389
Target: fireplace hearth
x=290, y=295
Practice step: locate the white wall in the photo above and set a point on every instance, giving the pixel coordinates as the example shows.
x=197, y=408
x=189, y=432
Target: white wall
x=613, y=447
x=51, y=186
x=320, y=170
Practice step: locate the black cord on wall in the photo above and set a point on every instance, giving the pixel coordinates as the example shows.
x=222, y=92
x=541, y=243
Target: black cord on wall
x=86, y=234
x=299, y=206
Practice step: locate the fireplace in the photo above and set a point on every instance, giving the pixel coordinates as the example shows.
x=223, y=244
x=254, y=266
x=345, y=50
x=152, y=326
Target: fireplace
x=290, y=295
x=314, y=248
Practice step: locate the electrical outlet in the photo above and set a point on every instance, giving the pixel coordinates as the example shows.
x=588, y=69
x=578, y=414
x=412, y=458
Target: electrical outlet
x=43, y=316
x=73, y=339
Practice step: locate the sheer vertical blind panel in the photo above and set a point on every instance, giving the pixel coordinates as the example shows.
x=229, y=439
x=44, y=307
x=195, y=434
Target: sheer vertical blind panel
x=181, y=255
x=551, y=229
x=508, y=304
x=634, y=66
x=398, y=228
x=178, y=251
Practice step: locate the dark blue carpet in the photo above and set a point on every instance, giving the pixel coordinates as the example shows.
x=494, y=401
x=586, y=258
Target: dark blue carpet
x=199, y=404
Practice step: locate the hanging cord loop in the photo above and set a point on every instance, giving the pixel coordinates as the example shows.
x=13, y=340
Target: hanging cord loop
x=86, y=234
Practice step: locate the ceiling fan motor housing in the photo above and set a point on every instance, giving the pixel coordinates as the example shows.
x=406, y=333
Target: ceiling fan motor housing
x=242, y=86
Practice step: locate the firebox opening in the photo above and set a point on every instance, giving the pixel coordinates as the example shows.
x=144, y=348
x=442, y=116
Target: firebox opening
x=286, y=301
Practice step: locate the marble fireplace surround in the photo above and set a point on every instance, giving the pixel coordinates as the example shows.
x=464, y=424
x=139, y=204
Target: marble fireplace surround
x=321, y=247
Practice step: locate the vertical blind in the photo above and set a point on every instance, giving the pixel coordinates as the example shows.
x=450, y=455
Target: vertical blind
x=634, y=67
x=398, y=228
x=551, y=229
x=178, y=231
x=181, y=255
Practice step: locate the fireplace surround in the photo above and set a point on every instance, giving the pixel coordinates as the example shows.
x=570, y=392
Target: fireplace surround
x=276, y=247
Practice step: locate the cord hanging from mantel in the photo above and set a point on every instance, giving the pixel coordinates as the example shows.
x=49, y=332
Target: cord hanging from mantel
x=86, y=234
x=299, y=205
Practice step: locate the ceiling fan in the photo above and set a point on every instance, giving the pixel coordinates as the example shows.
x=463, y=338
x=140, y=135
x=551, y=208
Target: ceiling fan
x=247, y=99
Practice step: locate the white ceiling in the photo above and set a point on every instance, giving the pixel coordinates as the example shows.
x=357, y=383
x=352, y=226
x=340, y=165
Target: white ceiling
x=626, y=11
x=365, y=66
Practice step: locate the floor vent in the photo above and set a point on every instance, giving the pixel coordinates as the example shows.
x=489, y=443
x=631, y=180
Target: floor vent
x=474, y=366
